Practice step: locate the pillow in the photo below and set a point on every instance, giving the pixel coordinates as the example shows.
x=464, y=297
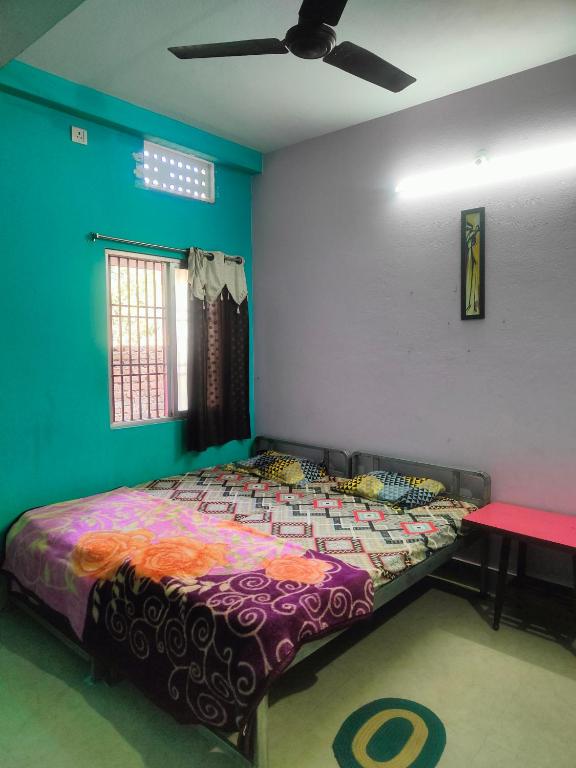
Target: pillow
x=282, y=467
x=392, y=487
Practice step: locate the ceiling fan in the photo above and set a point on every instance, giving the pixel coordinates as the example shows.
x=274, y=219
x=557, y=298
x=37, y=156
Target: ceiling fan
x=312, y=38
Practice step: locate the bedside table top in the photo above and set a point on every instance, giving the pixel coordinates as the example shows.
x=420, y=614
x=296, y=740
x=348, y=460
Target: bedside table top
x=548, y=527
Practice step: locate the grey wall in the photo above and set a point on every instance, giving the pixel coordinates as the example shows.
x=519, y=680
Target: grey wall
x=359, y=341
x=22, y=22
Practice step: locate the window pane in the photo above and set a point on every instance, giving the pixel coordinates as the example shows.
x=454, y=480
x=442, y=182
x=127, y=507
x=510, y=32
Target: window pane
x=138, y=338
x=181, y=298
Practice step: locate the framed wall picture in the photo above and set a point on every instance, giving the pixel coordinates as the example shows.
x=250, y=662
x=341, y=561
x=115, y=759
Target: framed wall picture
x=472, y=265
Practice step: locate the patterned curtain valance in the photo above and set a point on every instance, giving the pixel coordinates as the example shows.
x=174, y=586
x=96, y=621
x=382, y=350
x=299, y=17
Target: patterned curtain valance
x=209, y=276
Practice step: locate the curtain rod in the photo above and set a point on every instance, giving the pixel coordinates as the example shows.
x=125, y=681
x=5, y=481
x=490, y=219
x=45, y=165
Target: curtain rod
x=184, y=251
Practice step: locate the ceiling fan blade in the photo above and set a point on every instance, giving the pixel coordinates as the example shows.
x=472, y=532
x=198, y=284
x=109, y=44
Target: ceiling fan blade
x=362, y=63
x=233, y=48
x=322, y=11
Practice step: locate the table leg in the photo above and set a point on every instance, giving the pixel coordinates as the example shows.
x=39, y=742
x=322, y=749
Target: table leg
x=501, y=585
x=484, y=565
x=521, y=562
x=574, y=573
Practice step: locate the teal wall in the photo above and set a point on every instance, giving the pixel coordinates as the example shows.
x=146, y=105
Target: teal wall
x=55, y=437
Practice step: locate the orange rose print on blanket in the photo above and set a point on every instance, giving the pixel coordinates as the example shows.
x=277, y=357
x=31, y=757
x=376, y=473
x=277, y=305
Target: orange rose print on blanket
x=178, y=557
x=295, y=568
x=99, y=554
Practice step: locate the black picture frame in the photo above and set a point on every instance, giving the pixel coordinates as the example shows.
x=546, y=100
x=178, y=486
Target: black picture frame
x=472, y=263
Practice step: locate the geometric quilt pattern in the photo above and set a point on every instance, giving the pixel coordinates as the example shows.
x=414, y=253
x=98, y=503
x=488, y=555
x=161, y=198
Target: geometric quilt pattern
x=382, y=539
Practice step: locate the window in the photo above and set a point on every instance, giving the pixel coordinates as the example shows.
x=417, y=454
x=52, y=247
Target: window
x=177, y=173
x=148, y=337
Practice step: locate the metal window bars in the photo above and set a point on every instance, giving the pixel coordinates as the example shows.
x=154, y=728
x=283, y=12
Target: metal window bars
x=137, y=292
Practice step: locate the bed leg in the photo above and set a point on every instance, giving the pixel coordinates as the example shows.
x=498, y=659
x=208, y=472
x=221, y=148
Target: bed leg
x=3, y=592
x=101, y=672
x=260, y=758
x=97, y=670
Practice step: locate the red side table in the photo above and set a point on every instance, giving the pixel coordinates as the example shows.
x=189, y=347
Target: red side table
x=527, y=526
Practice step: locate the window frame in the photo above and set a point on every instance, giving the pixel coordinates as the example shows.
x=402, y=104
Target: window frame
x=173, y=263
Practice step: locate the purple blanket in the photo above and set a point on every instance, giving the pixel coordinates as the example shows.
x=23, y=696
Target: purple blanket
x=200, y=613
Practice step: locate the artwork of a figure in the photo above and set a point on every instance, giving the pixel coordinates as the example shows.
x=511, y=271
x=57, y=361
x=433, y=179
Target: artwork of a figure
x=473, y=264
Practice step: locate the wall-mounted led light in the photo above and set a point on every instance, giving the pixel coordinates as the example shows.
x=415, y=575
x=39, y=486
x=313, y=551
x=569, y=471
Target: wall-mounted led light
x=494, y=170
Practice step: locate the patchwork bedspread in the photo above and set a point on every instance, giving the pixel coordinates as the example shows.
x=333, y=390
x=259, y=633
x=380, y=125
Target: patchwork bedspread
x=201, y=612
x=369, y=535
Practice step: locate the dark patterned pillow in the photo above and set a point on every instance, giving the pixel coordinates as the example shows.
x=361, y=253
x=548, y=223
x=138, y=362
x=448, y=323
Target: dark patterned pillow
x=392, y=487
x=282, y=467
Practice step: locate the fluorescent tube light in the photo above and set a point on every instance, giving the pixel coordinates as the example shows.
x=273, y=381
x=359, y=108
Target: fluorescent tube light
x=558, y=157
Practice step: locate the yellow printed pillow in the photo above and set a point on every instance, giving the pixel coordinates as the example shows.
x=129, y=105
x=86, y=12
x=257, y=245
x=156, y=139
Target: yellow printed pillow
x=392, y=487
x=282, y=467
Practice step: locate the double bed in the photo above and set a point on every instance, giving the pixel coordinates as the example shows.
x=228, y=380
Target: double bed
x=280, y=570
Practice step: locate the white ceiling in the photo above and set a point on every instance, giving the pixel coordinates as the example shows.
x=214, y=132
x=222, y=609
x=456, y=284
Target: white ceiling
x=119, y=47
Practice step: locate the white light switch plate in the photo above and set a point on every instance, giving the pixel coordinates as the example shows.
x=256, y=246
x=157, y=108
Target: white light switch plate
x=79, y=135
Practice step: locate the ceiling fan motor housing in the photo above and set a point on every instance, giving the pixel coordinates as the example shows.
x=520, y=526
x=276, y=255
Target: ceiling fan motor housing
x=310, y=42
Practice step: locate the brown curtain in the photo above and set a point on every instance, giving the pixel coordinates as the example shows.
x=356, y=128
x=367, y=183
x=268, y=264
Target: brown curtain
x=218, y=388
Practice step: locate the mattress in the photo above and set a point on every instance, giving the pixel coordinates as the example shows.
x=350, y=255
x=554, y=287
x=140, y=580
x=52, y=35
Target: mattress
x=368, y=535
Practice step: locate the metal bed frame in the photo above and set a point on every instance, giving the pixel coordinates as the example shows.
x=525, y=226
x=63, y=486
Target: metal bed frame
x=336, y=461
x=469, y=485
x=466, y=484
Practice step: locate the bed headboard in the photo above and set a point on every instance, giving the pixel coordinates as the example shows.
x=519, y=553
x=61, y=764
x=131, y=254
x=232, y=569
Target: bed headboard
x=468, y=484
x=336, y=461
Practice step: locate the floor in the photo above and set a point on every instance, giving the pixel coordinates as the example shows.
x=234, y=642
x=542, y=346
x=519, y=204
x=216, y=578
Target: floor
x=506, y=698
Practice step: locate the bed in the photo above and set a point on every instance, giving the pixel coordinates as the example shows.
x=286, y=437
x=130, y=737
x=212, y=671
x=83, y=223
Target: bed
x=141, y=623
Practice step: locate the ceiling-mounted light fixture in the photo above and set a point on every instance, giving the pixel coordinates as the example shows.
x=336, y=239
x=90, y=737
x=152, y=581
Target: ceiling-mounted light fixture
x=484, y=170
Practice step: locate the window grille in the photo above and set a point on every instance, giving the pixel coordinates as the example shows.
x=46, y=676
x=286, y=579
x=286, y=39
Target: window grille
x=177, y=173
x=148, y=320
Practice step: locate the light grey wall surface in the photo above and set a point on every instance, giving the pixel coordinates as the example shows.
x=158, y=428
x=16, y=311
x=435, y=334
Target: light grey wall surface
x=358, y=337
x=22, y=22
